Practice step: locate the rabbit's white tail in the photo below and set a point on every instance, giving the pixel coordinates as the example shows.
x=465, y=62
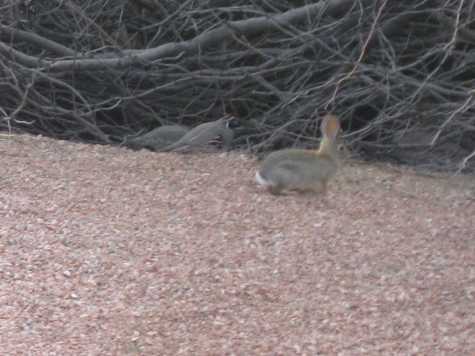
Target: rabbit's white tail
x=261, y=180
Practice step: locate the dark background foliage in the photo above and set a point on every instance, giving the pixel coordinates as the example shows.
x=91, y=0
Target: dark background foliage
x=400, y=74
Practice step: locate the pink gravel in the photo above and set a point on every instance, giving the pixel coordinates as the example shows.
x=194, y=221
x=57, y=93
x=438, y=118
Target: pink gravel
x=107, y=251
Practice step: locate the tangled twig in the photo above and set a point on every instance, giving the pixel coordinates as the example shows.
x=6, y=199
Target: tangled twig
x=400, y=74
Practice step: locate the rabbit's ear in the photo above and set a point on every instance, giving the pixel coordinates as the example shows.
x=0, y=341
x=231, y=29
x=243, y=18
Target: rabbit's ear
x=330, y=126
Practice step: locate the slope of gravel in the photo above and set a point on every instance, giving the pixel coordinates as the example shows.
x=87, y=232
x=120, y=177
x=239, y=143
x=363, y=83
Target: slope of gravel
x=106, y=251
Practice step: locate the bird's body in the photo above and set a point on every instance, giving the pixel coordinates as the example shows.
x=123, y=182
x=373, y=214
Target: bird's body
x=204, y=136
x=158, y=138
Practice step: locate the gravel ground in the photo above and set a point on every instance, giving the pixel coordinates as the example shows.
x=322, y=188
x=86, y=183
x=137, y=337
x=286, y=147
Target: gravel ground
x=107, y=251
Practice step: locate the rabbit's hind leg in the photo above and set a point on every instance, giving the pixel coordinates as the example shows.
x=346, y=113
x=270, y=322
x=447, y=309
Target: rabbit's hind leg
x=319, y=187
x=276, y=189
x=324, y=187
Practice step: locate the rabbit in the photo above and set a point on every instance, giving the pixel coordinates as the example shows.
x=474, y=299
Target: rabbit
x=158, y=138
x=302, y=169
x=204, y=135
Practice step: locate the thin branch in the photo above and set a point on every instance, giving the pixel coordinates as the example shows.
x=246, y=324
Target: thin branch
x=225, y=32
x=14, y=34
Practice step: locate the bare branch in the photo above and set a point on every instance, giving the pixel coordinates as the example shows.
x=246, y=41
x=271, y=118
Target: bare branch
x=12, y=34
x=400, y=74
